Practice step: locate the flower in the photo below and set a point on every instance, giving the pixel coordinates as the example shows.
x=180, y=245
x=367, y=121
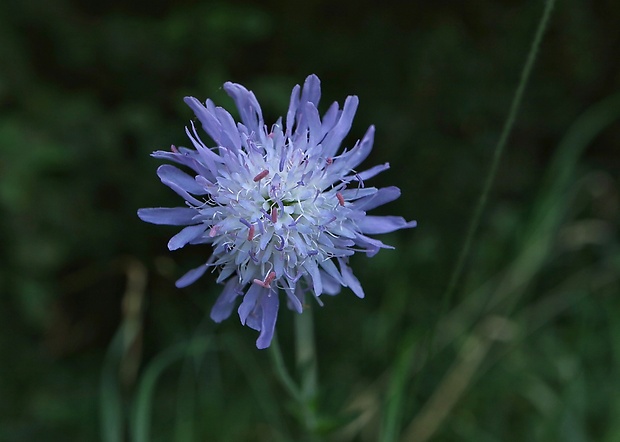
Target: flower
x=281, y=207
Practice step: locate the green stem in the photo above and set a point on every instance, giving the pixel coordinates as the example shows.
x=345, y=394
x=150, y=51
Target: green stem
x=281, y=372
x=306, y=362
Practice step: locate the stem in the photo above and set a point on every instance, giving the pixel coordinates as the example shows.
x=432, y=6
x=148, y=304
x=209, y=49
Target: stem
x=282, y=373
x=306, y=363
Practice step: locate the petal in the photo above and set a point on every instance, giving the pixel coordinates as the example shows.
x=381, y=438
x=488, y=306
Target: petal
x=209, y=160
x=350, y=279
x=210, y=123
x=362, y=150
x=230, y=133
x=186, y=235
x=226, y=272
x=171, y=174
x=249, y=302
x=313, y=271
x=292, y=110
x=383, y=196
x=311, y=115
x=269, y=304
x=332, y=140
x=173, y=216
x=330, y=285
x=371, y=245
x=294, y=299
x=331, y=269
x=311, y=92
x=185, y=157
x=372, y=172
x=383, y=224
x=329, y=118
x=191, y=276
x=225, y=303
x=249, y=109
x=360, y=192
x=169, y=178
x=216, y=122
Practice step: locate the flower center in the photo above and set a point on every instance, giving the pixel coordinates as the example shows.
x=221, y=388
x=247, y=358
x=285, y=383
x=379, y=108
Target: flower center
x=275, y=214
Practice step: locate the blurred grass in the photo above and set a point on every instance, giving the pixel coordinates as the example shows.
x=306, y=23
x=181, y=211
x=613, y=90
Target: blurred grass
x=89, y=89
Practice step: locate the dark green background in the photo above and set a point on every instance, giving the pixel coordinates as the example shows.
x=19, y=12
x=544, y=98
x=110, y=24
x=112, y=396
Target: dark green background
x=89, y=89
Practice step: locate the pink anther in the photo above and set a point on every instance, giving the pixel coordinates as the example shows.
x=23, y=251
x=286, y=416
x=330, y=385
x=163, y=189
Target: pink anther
x=212, y=231
x=251, y=233
x=268, y=280
x=340, y=198
x=174, y=149
x=329, y=160
x=261, y=175
x=274, y=215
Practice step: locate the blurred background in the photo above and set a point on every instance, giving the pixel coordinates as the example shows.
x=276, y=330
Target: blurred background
x=528, y=348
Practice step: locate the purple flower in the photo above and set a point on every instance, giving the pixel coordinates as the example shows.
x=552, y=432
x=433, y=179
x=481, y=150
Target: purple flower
x=282, y=208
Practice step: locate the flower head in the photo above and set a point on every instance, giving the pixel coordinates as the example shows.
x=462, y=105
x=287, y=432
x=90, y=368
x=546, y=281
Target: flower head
x=281, y=206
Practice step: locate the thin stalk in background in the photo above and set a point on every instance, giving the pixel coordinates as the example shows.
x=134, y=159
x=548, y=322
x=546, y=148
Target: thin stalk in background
x=488, y=183
x=140, y=421
x=497, y=155
x=111, y=410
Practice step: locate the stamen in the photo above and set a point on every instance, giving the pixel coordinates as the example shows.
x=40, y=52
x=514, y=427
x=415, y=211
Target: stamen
x=295, y=278
x=274, y=215
x=174, y=149
x=316, y=195
x=329, y=160
x=252, y=144
x=279, y=249
x=340, y=198
x=261, y=175
x=251, y=233
x=359, y=180
x=213, y=231
x=324, y=225
x=268, y=280
x=270, y=277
